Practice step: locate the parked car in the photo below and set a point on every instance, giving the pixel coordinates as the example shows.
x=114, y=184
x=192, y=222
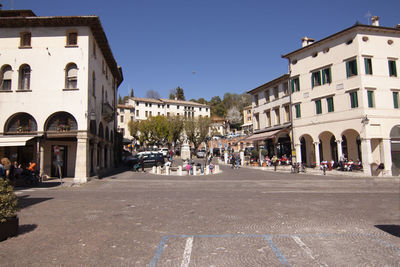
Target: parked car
x=131, y=161
x=164, y=151
x=153, y=159
x=201, y=153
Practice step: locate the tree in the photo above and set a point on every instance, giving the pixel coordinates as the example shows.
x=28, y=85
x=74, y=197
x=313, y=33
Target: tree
x=180, y=95
x=202, y=101
x=196, y=130
x=234, y=116
x=132, y=93
x=125, y=99
x=133, y=127
x=175, y=128
x=152, y=94
x=119, y=99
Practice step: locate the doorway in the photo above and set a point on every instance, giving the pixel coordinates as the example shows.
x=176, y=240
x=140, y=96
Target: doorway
x=61, y=159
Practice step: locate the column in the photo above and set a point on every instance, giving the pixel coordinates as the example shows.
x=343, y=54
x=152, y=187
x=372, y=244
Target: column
x=101, y=156
x=41, y=155
x=94, y=159
x=386, y=156
x=298, y=153
x=339, y=148
x=366, y=156
x=316, y=146
x=82, y=164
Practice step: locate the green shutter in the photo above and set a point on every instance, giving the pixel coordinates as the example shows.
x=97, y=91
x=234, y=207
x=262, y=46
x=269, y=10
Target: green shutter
x=355, y=99
x=394, y=69
x=312, y=80
x=355, y=67
x=396, y=99
x=319, y=77
x=370, y=99
x=323, y=76
x=329, y=75
x=366, y=66
x=347, y=69
x=292, y=85
x=298, y=111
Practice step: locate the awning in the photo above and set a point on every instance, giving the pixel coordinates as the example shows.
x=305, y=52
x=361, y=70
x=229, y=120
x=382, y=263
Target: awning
x=14, y=140
x=262, y=136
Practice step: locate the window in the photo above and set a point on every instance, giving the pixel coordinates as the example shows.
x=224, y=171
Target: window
x=266, y=95
x=150, y=113
x=137, y=113
x=298, y=111
x=318, y=106
x=206, y=109
x=295, y=84
x=159, y=113
x=71, y=76
x=257, y=121
x=146, y=113
x=5, y=82
x=277, y=116
x=199, y=109
x=158, y=105
x=167, y=106
x=268, y=115
x=122, y=110
x=368, y=66
x=122, y=118
x=25, y=40
x=285, y=88
x=149, y=104
x=276, y=92
x=24, y=77
x=94, y=84
x=287, y=113
x=167, y=114
x=396, y=99
x=329, y=102
x=351, y=68
x=145, y=104
x=353, y=99
x=315, y=79
x=392, y=68
x=326, y=76
x=177, y=107
x=131, y=118
x=370, y=98
x=72, y=39
x=256, y=99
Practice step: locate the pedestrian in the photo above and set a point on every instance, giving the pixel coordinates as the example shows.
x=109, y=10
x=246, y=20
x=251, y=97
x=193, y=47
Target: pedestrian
x=237, y=161
x=274, y=161
x=2, y=171
x=6, y=165
x=171, y=154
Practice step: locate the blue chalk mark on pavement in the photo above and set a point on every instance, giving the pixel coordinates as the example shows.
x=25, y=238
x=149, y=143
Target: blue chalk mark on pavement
x=281, y=258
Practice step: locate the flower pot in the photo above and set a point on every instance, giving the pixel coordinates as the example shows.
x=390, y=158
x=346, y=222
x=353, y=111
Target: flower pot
x=9, y=228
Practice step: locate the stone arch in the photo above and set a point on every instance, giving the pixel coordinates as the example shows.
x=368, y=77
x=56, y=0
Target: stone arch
x=20, y=123
x=351, y=144
x=284, y=144
x=93, y=127
x=61, y=121
x=107, y=134
x=307, y=150
x=101, y=130
x=327, y=148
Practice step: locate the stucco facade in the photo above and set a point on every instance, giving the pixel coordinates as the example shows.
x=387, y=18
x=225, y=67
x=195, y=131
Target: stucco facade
x=344, y=91
x=58, y=89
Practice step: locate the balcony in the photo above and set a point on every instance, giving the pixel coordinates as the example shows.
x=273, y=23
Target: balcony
x=107, y=112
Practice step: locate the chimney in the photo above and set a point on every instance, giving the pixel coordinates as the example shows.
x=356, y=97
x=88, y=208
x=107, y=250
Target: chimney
x=375, y=20
x=306, y=41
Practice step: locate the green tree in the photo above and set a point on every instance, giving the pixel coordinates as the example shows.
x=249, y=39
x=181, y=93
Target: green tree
x=175, y=128
x=197, y=130
x=133, y=127
x=119, y=99
x=180, y=95
x=131, y=95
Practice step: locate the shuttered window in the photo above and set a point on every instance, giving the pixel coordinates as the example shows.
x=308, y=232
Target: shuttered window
x=392, y=68
x=351, y=68
x=396, y=99
x=370, y=99
x=318, y=106
x=368, y=66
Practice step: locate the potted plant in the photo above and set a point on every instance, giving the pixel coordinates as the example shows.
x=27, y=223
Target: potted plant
x=8, y=211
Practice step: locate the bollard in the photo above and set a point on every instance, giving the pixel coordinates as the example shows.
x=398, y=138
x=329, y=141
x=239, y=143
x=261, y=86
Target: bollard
x=207, y=170
x=216, y=168
x=167, y=170
x=179, y=171
x=158, y=170
x=153, y=170
x=194, y=170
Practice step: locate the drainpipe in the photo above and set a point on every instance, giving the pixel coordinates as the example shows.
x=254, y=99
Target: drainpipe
x=291, y=114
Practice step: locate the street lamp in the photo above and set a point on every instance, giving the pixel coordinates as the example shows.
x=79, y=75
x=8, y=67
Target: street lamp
x=365, y=120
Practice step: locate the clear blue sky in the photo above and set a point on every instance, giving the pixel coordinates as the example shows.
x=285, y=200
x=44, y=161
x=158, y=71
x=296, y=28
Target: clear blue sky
x=210, y=47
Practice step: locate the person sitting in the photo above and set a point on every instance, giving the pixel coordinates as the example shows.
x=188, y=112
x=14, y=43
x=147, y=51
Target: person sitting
x=350, y=165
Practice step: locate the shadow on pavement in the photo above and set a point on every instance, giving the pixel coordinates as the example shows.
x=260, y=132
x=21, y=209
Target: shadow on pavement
x=26, y=201
x=26, y=228
x=390, y=229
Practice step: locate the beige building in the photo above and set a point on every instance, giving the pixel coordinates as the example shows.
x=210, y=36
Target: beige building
x=271, y=116
x=143, y=108
x=58, y=87
x=345, y=98
x=247, y=126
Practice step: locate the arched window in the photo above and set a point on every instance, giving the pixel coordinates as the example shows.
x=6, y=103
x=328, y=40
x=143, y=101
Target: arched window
x=24, y=77
x=5, y=82
x=20, y=123
x=94, y=84
x=71, y=76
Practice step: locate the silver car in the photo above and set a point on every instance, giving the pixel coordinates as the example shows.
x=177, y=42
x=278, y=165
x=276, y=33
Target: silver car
x=201, y=153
